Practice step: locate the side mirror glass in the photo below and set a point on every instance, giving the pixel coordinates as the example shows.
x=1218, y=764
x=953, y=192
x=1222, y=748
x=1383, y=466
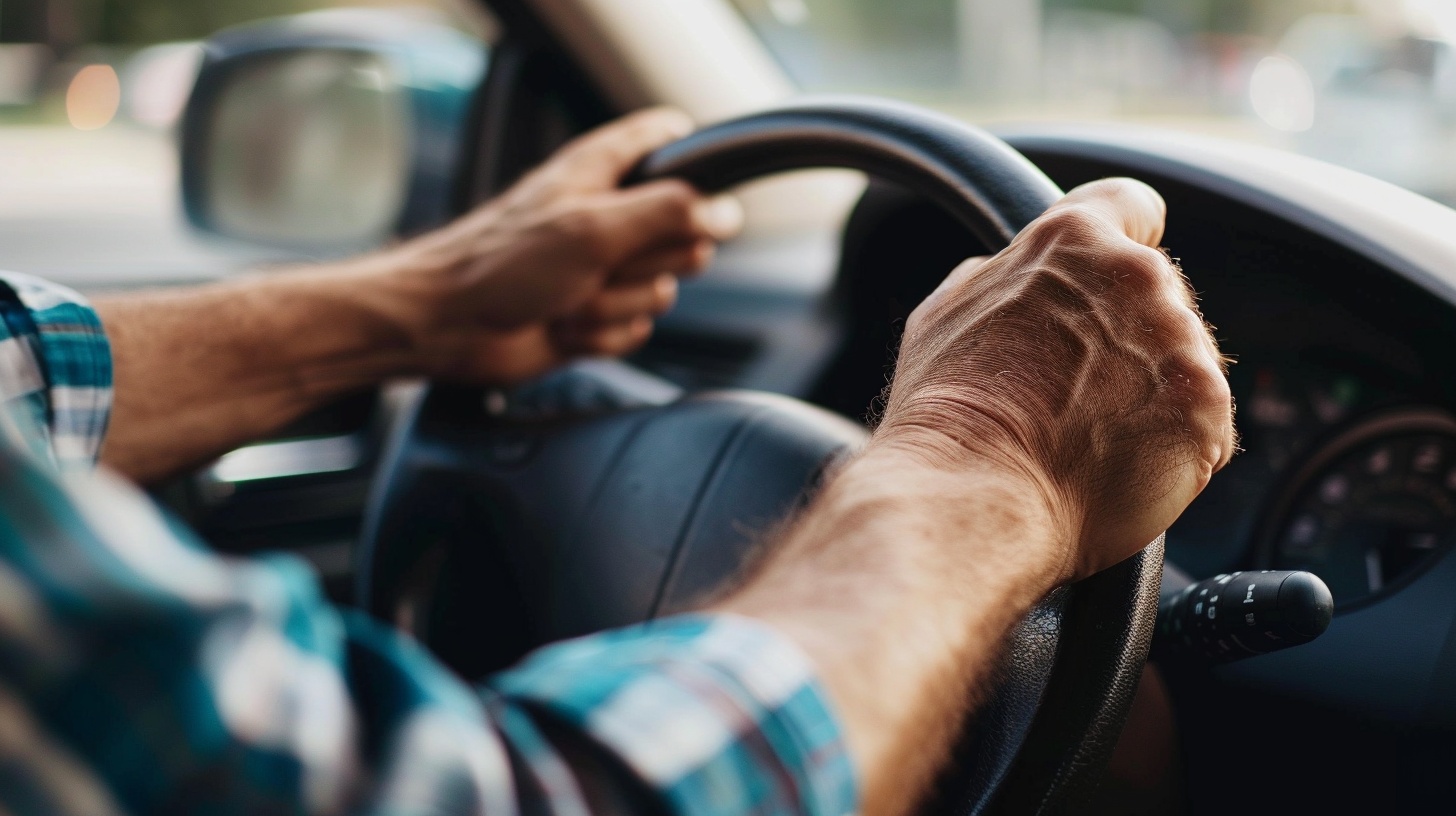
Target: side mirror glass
x=329, y=131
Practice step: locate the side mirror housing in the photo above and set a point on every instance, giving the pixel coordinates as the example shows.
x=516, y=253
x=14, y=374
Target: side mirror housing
x=330, y=131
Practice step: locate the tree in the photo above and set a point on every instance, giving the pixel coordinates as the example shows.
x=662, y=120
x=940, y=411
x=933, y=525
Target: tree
x=137, y=22
x=64, y=24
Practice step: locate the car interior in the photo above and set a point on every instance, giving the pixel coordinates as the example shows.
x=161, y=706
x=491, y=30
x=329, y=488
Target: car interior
x=489, y=523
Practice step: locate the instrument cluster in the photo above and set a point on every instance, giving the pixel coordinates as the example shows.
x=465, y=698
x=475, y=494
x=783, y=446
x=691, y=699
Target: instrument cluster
x=1343, y=473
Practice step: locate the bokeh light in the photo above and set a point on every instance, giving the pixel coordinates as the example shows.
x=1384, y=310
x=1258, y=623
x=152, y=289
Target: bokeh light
x=1282, y=94
x=93, y=97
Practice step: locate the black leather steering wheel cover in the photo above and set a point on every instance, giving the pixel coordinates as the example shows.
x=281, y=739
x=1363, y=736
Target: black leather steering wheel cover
x=1099, y=663
x=988, y=186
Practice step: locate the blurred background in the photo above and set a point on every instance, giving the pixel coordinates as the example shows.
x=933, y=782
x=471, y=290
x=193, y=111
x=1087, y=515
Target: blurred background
x=90, y=95
x=90, y=91
x=1369, y=84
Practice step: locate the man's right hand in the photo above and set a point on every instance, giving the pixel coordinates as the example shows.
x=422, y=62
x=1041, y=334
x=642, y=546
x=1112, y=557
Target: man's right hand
x=1054, y=409
x=1076, y=361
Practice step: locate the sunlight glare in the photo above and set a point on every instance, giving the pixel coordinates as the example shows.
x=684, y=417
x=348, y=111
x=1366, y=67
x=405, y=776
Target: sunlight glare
x=1432, y=18
x=1282, y=94
x=789, y=12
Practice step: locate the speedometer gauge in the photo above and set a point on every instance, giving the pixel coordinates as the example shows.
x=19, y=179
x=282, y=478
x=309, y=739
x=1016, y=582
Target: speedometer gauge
x=1372, y=507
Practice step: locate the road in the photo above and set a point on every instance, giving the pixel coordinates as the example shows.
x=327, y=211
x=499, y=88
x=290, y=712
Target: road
x=101, y=209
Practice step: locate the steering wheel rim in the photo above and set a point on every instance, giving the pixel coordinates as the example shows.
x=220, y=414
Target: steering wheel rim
x=1071, y=668
x=989, y=187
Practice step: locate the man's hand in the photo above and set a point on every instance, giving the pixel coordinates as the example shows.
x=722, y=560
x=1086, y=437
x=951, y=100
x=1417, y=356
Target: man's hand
x=1076, y=360
x=1054, y=408
x=564, y=264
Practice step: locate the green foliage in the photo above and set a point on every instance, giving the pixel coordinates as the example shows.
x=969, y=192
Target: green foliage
x=134, y=22
x=66, y=23
x=881, y=21
x=1257, y=17
x=155, y=21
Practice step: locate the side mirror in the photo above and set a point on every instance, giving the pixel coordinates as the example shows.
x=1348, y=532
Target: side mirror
x=328, y=131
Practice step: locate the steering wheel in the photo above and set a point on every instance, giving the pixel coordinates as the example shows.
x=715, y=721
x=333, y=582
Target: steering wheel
x=602, y=496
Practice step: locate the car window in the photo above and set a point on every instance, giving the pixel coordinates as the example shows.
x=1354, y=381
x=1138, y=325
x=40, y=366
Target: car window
x=1369, y=84
x=90, y=94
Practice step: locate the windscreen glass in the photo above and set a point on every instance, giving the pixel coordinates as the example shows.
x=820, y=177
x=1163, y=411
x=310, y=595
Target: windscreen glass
x=1367, y=84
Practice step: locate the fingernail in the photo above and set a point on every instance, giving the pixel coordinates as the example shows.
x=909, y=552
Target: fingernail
x=676, y=122
x=721, y=217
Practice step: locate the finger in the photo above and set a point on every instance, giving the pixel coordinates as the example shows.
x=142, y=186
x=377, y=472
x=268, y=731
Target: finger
x=1132, y=207
x=953, y=281
x=608, y=340
x=616, y=304
x=626, y=223
x=602, y=157
x=681, y=259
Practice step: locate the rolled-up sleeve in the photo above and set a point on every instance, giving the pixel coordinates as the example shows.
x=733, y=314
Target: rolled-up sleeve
x=55, y=368
x=718, y=714
x=141, y=673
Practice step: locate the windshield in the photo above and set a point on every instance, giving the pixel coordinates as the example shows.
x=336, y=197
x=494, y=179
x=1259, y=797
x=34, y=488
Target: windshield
x=1368, y=84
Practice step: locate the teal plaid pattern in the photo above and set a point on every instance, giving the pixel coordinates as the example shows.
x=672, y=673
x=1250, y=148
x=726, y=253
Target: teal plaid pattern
x=140, y=673
x=55, y=368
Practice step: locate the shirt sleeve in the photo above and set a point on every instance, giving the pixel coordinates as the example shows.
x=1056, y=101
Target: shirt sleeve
x=140, y=673
x=55, y=369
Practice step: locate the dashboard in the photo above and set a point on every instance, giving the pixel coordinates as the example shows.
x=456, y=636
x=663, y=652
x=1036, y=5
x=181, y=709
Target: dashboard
x=1343, y=369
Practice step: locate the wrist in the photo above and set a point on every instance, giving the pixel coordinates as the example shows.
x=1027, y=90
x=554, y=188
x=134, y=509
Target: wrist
x=900, y=582
x=991, y=464
x=402, y=301
x=981, y=507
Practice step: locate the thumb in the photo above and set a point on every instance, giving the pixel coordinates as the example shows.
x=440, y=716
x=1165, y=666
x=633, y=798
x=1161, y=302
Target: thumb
x=1132, y=206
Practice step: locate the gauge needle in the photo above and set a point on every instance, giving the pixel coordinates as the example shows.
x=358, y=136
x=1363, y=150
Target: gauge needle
x=1373, y=572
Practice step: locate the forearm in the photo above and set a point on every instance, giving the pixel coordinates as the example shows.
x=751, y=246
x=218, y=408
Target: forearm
x=901, y=590
x=201, y=370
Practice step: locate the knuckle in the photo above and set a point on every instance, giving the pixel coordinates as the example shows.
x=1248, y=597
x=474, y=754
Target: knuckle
x=1069, y=225
x=1119, y=187
x=596, y=311
x=1140, y=265
x=602, y=342
x=1184, y=326
x=585, y=228
x=1198, y=380
x=678, y=192
x=1207, y=384
x=679, y=201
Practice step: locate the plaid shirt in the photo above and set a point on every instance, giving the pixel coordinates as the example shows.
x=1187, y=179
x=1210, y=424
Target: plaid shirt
x=140, y=673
